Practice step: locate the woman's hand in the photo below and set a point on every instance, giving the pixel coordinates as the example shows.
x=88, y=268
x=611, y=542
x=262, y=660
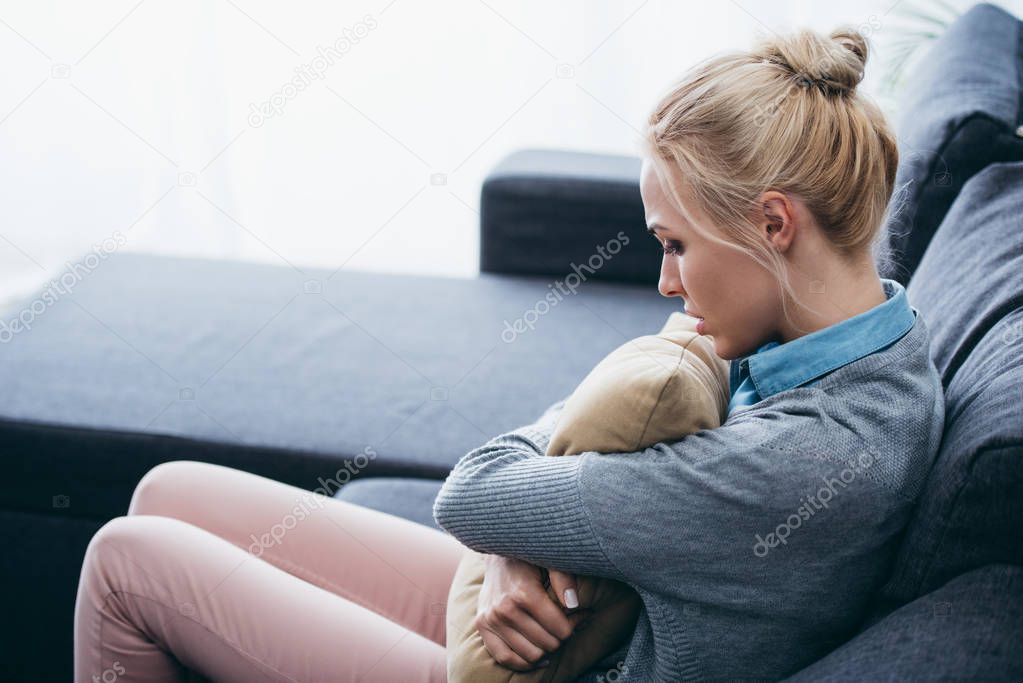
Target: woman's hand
x=517, y=619
x=565, y=588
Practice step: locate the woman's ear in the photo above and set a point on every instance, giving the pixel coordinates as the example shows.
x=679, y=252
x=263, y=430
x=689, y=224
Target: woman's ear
x=776, y=219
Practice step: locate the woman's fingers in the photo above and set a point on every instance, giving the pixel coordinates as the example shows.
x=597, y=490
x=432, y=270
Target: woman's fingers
x=565, y=587
x=518, y=620
x=510, y=616
x=509, y=647
x=548, y=614
x=501, y=652
x=517, y=632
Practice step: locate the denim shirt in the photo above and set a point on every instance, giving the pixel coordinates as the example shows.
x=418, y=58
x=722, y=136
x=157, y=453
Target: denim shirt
x=776, y=367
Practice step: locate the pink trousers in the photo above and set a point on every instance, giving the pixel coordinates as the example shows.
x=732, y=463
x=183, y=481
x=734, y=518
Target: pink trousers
x=217, y=574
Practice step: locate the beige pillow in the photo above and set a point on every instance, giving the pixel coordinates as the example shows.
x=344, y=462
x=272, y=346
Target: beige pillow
x=650, y=389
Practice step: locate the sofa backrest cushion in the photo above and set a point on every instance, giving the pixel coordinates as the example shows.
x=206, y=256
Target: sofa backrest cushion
x=572, y=215
x=962, y=113
x=969, y=287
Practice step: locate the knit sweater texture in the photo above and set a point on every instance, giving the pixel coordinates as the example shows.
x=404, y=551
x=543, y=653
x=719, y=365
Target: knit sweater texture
x=755, y=546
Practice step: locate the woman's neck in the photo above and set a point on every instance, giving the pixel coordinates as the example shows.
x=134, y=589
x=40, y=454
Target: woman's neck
x=834, y=292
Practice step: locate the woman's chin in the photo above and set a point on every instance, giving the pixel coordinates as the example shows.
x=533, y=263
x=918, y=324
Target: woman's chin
x=723, y=349
x=720, y=347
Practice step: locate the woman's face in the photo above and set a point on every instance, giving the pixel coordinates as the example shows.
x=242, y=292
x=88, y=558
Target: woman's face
x=737, y=298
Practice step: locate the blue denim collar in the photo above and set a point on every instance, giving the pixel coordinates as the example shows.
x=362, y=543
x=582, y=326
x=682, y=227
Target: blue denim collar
x=776, y=367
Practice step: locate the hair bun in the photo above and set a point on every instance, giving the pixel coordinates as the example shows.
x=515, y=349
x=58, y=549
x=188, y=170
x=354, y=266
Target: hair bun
x=833, y=64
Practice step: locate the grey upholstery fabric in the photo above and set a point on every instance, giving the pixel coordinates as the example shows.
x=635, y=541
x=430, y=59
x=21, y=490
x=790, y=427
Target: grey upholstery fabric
x=408, y=497
x=968, y=630
x=288, y=374
x=410, y=371
x=927, y=623
x=970, y=277
x=970, y=288
x=263, y=368
x=961, y=115
x=545, y=211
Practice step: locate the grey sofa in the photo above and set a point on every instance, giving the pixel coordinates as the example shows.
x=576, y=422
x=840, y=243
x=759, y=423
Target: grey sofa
x=373, y=385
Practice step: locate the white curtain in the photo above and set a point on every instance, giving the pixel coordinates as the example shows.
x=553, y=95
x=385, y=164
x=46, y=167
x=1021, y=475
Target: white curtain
x=320, y=134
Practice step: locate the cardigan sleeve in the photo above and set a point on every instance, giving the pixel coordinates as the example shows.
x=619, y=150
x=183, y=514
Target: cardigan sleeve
x=689, y=508
x=493, y=475
x=508, y=498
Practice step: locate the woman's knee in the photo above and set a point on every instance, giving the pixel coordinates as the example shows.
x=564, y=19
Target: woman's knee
x=116, y=543
x=120, y=533
x=133, y=555
x=164, y=489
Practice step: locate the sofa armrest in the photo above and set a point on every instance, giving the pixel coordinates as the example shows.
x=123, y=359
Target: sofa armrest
x=556, y=212
x=969, y=629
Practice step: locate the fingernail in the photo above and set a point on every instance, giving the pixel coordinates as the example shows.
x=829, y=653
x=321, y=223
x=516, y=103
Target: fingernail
x=542, y=663
x=571, y=599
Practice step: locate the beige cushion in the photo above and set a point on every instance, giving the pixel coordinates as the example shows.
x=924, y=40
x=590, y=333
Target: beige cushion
x=654, y=388
x=650, y=389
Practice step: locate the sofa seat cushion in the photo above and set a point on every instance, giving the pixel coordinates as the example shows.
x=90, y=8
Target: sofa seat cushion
x=284, y=373
x=970, y=289
x=408, y=497
x=962, y=113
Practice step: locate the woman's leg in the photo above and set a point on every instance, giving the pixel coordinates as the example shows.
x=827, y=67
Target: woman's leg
x=159, y=597
x=392, y=566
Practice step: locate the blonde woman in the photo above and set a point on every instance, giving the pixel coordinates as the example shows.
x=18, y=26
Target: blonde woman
x=754, y=546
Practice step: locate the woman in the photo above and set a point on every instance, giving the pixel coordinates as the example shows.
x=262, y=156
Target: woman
x=754, y=546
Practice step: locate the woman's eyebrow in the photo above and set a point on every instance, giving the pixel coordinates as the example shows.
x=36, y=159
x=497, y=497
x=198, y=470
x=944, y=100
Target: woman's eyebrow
x=654, y=227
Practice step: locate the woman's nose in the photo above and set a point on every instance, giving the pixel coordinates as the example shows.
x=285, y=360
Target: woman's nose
x=670, y=284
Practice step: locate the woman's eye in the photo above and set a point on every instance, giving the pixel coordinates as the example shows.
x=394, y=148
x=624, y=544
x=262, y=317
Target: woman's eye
x=672, y=248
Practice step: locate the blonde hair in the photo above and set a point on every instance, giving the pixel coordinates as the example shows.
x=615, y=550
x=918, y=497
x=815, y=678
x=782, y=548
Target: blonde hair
x=784, y=116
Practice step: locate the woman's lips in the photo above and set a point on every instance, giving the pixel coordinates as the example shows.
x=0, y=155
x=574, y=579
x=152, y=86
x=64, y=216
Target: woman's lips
x=700, y=324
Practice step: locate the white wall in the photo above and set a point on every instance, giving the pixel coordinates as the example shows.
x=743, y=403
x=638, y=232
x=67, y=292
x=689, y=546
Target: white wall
x=136, y=117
